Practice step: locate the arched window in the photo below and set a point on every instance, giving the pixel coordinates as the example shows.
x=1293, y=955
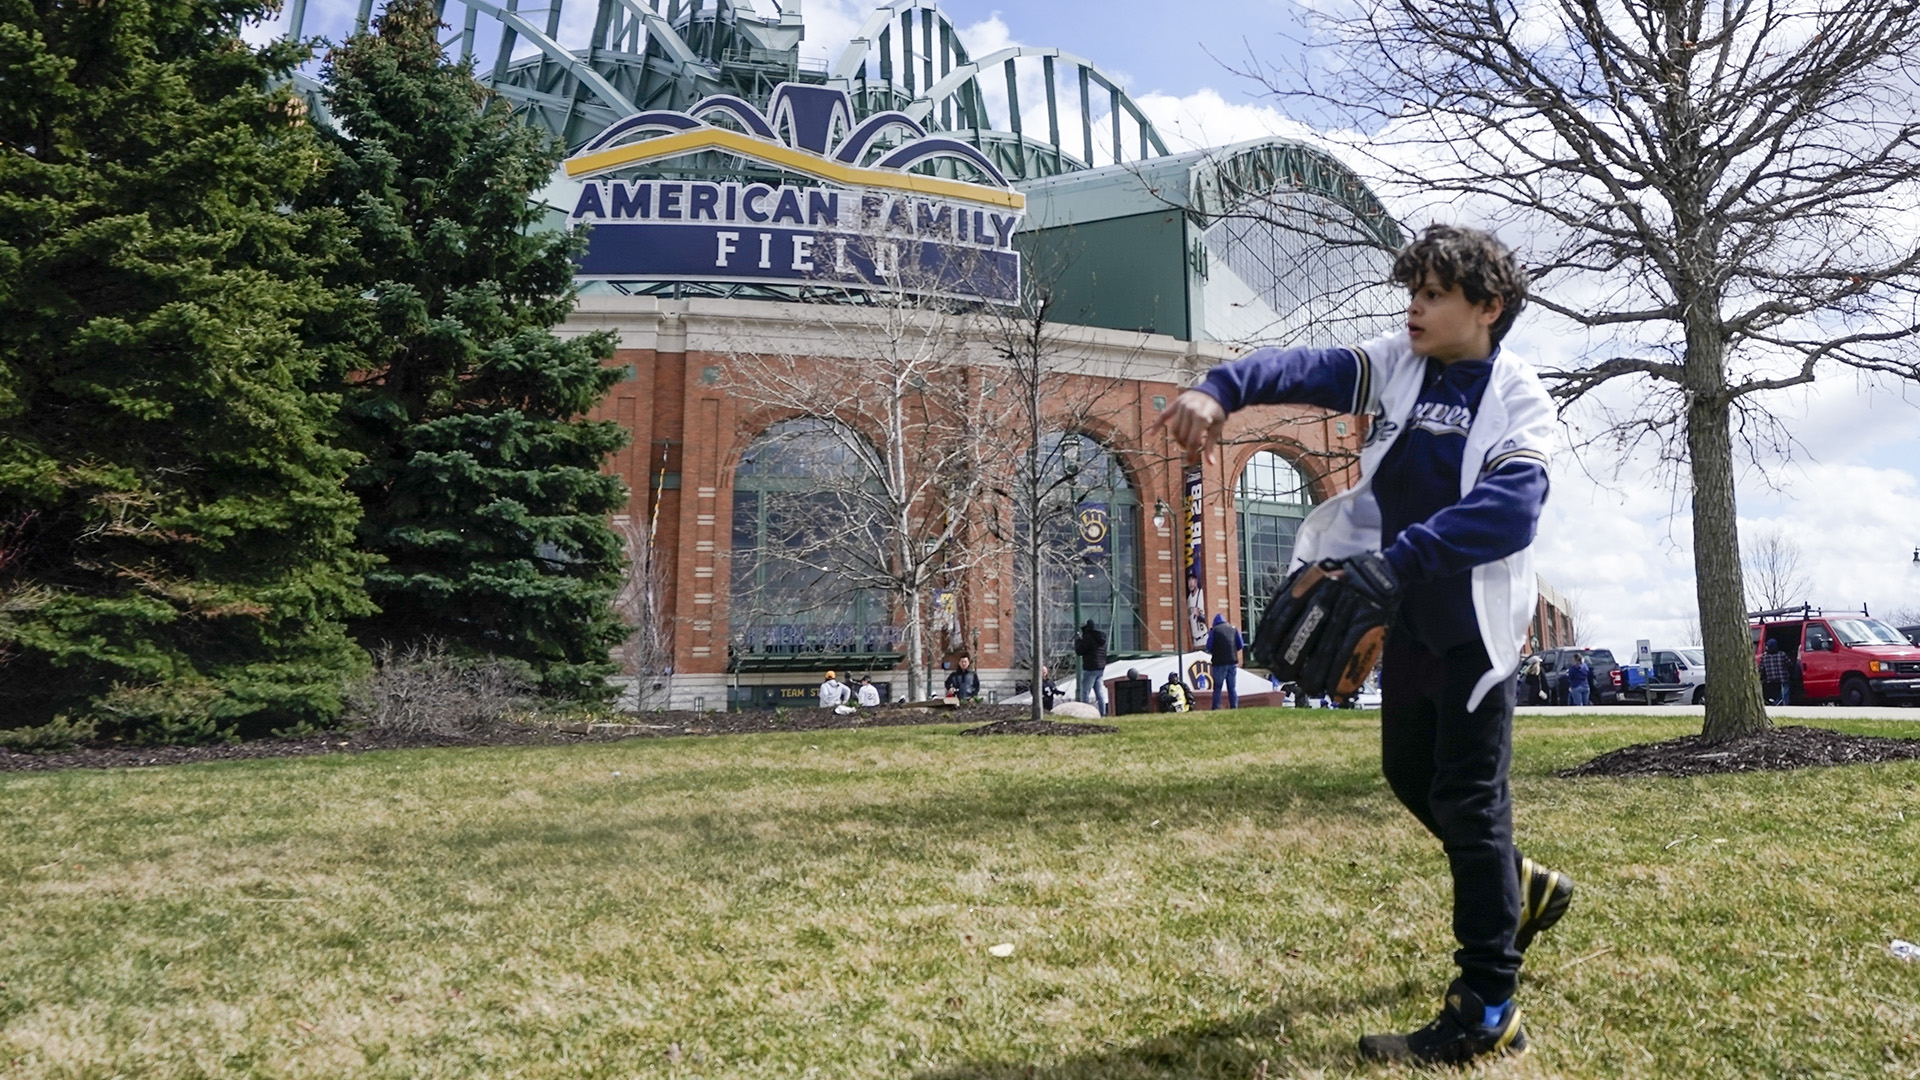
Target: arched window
x=1269, y=502
x=1090, y=561
x=796, y=599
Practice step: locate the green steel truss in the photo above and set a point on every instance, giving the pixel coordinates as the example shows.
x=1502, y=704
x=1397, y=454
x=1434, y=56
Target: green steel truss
x=575, y=66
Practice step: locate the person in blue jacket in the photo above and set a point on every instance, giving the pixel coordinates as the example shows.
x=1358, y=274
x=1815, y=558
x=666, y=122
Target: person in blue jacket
x=1223, y=655
x=1452, y=478
x=1579, y=676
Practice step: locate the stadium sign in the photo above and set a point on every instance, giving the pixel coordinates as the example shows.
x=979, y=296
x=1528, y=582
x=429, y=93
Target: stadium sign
x=859, y=219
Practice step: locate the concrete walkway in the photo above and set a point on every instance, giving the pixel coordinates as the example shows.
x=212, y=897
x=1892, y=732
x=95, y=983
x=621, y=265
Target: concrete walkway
x=1778, y=712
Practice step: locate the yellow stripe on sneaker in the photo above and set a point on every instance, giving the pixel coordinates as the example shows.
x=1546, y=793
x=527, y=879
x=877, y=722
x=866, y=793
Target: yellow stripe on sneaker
x=1511, y=1028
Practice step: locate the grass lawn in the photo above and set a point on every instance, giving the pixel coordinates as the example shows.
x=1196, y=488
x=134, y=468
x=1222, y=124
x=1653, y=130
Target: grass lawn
x=1188, y=898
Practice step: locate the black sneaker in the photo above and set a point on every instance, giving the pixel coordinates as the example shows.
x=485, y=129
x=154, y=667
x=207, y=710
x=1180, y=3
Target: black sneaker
x=1456, y=1036
x=1544, y=896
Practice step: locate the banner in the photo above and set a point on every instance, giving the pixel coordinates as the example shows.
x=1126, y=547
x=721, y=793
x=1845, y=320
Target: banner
x=1095, y=532
x=828, y=216
x=1196, y=559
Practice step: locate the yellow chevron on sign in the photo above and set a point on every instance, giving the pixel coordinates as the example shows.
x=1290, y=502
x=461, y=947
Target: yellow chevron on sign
x=712, y=138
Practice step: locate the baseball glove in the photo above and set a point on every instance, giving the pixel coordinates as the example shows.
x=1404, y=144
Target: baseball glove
x=1327, y=624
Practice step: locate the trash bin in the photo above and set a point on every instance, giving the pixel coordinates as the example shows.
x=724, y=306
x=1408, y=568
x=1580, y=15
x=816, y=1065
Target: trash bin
x=1132, y=696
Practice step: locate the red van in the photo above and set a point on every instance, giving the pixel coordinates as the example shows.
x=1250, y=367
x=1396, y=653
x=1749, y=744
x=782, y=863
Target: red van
x=1852, y=659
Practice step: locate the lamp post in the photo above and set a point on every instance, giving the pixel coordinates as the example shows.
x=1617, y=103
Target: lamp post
x=1162, y=517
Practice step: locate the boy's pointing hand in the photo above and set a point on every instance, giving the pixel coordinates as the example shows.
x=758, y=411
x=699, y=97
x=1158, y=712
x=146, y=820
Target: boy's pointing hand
x=1196, y=421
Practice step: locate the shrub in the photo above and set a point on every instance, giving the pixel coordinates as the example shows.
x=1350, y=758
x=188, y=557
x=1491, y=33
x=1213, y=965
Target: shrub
x=425, y=689
x=58, y=734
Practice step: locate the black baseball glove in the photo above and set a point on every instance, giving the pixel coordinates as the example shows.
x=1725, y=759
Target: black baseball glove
x=1327, y=624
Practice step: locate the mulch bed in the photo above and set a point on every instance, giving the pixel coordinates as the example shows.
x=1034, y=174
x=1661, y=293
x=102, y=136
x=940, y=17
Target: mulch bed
x=643, y=725
x=1779, y=748
x=1039, y=727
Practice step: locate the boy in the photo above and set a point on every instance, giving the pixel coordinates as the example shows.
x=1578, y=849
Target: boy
x=1452, y=478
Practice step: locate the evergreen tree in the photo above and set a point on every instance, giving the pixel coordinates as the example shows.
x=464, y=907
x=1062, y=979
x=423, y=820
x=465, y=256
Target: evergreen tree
x=482, y=486
x=178, y=548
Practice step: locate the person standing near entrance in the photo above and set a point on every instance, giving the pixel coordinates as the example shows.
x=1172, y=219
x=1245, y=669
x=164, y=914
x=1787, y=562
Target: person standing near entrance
x=1091, y=645
x=1223, y=646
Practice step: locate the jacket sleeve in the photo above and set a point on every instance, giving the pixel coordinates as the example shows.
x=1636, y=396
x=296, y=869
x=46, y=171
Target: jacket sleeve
x=1500, y=514
x=1496, y=519
x=1339, y=379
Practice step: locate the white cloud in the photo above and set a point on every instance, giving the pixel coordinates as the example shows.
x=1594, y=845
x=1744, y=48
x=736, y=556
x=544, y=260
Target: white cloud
x=1204, y=118
x=830, y=24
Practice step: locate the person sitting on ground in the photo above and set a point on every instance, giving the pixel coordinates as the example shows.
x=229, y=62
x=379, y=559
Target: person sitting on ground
x=964, y=684
x=868, y=694
x=1174, y=695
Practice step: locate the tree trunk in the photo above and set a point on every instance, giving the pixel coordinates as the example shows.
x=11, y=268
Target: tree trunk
x=1734, y=707
x=1037, y=629
x=917, y=662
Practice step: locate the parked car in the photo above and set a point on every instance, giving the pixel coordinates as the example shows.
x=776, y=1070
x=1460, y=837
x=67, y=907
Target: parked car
x=1852, y=659
x=1912, y=632
x=1678, y=677
x=1606, y=674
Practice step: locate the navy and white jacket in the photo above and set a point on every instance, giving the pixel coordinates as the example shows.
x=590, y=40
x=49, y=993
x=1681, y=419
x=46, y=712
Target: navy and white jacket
x=1454, y=509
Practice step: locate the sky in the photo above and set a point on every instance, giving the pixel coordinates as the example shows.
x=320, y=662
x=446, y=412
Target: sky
x=1615, y=535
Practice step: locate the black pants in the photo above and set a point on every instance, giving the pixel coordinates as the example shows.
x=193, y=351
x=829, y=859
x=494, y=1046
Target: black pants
x=1449, y=766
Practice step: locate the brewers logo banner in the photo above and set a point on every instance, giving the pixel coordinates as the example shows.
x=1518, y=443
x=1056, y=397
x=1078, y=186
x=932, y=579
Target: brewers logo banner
x=1094, y=532
x=862, y=212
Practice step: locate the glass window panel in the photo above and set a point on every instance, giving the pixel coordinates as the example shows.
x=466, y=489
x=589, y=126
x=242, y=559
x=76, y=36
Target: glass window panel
x=794, y=575
x=1073, y=588
x=1272, y=500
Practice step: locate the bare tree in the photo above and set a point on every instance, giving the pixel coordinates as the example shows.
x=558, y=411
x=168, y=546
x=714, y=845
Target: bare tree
x=646, y=657
x=1579, y=623
x=1775, y=573
x=1045, y=397
x=890, y=429
x=1711, y=191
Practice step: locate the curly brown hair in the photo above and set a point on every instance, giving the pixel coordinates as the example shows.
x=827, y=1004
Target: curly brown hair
x=1476, y=261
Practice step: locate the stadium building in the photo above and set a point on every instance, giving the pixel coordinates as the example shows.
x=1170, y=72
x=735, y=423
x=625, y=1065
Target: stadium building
x=756, y=219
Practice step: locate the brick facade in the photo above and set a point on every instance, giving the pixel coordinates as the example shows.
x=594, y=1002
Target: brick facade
x=688, y=433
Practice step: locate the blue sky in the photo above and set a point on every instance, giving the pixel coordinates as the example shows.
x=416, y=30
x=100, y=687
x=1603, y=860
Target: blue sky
x=1613, y=536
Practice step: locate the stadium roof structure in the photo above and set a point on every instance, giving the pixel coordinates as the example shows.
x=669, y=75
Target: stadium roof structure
x=1261, y=241
x=1257, y=241
x=576, y=66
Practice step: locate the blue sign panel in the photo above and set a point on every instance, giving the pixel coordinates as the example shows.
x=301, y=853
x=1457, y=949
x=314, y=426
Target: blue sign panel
x=847, y=223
